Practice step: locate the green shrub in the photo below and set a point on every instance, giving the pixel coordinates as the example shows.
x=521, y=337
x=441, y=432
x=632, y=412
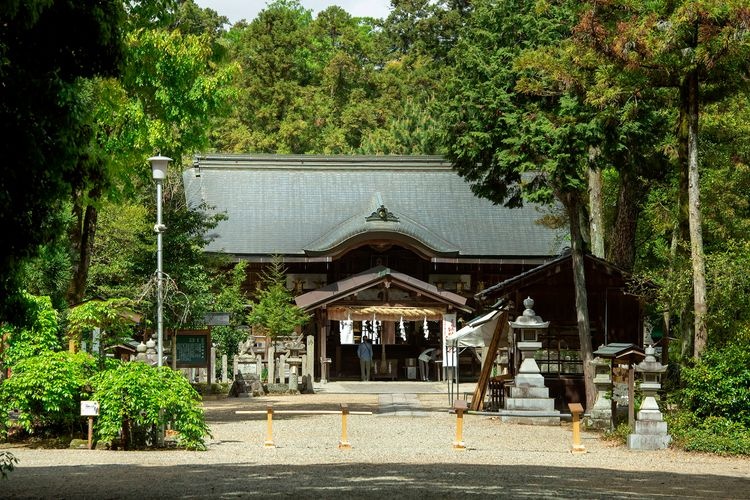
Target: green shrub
x=137, y=399
x=47, y=390
x=713, y=434
x=38, y=335
x=717, y=385
x=619, y=434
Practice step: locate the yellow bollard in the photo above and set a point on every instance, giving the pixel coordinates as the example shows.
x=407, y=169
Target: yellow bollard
x=460, y=406
x=344, y=443
x=576, y=410
x=269, y=433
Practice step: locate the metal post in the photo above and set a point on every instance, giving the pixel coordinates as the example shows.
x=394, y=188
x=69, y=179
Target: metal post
x=159, y=278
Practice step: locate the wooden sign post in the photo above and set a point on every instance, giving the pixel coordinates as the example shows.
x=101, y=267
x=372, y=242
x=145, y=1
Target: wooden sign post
x=90, y=409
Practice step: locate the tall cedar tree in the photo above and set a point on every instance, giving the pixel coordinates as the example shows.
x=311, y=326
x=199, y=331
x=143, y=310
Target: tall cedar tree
x=701, y=48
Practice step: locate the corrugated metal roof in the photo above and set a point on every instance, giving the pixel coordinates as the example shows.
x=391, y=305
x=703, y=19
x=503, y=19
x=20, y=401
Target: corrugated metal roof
x=309, y=204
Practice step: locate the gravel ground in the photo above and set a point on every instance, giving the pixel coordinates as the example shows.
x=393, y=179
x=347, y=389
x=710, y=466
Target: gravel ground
x=391, y=457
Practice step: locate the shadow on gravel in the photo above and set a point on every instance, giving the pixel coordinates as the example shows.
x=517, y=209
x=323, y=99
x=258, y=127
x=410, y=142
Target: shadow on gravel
x=357, y=480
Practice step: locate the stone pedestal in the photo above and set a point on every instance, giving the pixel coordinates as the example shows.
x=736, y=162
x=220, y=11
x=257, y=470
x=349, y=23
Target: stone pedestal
x=650, y=428
x=601, y=413
x=528, y=394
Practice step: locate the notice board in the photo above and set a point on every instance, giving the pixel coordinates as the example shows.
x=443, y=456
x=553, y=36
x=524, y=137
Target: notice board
x=193, y=349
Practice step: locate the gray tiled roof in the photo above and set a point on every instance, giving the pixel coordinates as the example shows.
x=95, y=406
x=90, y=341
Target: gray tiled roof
x=307, y=205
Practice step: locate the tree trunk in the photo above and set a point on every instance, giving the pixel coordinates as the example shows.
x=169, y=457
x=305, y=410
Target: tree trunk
x=596, y=216
x=82, y=244
x=682, y=229
x=573, y=206
x=696, y=232
x=622, y=240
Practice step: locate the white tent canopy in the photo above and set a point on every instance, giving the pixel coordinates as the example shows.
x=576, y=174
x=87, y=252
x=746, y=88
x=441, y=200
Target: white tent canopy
x=477, y=332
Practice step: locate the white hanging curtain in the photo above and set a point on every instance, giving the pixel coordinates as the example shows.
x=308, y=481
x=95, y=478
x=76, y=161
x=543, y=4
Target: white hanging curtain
x=426, y=328
x=346, y=331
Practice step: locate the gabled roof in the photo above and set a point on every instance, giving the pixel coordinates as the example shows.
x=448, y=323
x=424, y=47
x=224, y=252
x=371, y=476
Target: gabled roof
x=308, y=206
x=373, y=277
x=545, y=271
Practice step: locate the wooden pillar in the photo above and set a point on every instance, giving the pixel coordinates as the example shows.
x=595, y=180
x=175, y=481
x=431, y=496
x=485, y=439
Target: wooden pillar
x=322, y=340
x=460, y=406
x=576, y=410
x=344, y=444
x=631, y=396
x=269, y=428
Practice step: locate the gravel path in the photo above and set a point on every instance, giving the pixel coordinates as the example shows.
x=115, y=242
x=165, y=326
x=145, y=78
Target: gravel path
x=403, y=450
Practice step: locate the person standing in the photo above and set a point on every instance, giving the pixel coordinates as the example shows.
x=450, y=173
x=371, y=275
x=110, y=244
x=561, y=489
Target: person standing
x=364, y=353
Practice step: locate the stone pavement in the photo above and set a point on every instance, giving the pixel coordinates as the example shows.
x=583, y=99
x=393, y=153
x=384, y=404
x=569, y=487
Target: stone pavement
x=399, y=399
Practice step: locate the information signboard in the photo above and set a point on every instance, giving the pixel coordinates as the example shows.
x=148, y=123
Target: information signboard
x=192, y=350
x=89, y=408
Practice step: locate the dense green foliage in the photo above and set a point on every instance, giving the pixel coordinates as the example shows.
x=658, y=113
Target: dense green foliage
x=39, y=333
x=717, y=385
x=231, y=299
x=41, y=115
x=273, y=309
x=47, y=390
x=137, y=399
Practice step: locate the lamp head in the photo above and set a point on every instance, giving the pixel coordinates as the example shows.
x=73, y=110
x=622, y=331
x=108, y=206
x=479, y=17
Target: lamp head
x=159, y=166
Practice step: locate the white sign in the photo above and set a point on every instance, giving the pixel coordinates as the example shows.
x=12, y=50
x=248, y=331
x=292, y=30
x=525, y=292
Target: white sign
x=449, y=351
x=89, y=408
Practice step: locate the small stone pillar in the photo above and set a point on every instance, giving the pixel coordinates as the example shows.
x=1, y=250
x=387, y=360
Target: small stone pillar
x=293, y=381
x=282, y=369
x=310, y=351
x=235, y=366
x=212, y=366
x=271, y=365
x=224, y=368
x=601, y=413
x=259, y=366
x=650, y=427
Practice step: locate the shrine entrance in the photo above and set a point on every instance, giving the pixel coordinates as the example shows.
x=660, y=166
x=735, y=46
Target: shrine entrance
x=403, y=316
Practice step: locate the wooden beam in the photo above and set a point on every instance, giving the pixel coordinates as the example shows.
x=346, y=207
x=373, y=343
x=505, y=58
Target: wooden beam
x=477, y=401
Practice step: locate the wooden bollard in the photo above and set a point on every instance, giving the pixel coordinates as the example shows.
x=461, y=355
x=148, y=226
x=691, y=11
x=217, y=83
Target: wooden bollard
x=269, y=433
x=460, y=406
x=344, y=443
x=576, y=410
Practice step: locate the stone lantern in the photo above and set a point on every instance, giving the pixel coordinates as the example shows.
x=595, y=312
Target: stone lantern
x=601, y=413
x=528, y=394
x=141, y=350
x=650, y=427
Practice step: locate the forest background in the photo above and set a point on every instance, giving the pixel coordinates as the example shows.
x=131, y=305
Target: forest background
x=632, y=118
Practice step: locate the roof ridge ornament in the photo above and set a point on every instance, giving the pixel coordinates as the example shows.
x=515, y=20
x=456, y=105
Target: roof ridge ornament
x=382, y=214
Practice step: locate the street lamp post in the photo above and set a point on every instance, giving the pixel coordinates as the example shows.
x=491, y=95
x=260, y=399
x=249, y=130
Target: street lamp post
x=159, y=173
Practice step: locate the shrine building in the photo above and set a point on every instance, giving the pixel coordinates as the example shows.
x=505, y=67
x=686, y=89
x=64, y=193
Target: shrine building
x=394, y=247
